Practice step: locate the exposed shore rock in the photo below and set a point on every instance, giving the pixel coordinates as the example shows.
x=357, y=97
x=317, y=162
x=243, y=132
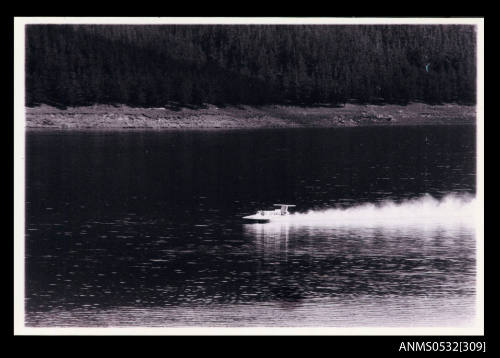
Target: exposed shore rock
x=270, y=116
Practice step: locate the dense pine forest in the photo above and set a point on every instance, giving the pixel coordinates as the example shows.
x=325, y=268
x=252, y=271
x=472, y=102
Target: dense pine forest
x=154, y=66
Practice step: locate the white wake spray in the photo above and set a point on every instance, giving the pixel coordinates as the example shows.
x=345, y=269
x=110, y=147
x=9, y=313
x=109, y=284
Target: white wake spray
x=452, y=210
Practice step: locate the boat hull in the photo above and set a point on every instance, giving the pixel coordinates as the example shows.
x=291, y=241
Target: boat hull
x=265, y=219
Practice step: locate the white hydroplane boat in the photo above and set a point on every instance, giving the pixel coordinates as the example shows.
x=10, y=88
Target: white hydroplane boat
x=280, y=214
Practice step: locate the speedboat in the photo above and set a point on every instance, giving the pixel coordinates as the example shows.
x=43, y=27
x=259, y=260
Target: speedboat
x=280, y=214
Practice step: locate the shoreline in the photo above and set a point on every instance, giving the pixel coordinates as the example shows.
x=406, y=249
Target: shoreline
x=246, y=117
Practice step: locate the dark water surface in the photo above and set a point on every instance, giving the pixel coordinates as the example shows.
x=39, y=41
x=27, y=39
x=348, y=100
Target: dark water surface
x=144, y=227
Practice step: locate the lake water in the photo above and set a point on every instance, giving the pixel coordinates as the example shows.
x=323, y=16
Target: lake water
x=144, y=228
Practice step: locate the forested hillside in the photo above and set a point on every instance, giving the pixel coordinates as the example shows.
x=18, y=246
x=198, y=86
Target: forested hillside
x=151, y=66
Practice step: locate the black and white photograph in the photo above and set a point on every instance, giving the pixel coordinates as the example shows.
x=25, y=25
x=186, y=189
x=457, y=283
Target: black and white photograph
x=248, y=175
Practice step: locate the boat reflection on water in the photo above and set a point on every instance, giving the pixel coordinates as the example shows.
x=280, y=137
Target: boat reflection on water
x=271, y=236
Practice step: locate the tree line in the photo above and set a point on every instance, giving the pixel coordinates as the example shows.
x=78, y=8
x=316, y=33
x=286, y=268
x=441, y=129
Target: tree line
x=155, y=65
